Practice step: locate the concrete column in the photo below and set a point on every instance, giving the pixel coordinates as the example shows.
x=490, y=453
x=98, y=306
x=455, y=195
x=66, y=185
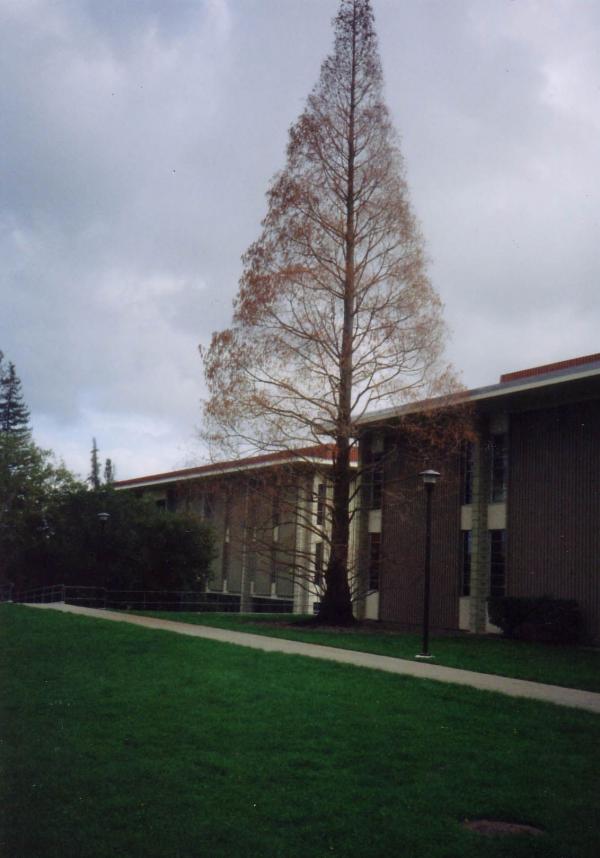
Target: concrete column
x=479, y=534
x=245, y=590
x=303, y=544
x=361, y=526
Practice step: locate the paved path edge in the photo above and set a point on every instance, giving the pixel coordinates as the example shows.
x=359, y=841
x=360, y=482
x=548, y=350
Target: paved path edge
x=573, y=697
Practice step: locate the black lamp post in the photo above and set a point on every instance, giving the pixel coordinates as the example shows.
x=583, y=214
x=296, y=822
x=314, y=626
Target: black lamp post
x=103, y=517
x=429, y=478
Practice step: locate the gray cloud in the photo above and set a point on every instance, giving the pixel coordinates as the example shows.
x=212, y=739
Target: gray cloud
x=138, y=142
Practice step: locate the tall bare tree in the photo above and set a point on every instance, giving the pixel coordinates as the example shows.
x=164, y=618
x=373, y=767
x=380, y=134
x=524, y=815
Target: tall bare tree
x=335, y=314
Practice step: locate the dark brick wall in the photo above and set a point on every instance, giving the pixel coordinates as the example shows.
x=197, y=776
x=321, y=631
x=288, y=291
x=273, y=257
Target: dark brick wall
x=554, y=506
x=403, y=539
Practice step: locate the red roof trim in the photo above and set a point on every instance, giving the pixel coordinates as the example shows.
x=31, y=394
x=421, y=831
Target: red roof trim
x=549, y=367
x=320, y=451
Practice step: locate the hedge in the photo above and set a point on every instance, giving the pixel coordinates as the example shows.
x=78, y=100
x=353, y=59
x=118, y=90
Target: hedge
x=542, y=618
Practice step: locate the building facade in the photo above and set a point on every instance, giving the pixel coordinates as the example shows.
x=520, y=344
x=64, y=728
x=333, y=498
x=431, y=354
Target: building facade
x=516, y=512
x=270, y=517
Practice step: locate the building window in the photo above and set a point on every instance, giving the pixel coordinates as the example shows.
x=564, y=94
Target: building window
x=318, y=563
x=376, y=480
x=497, y=562
x=225, y=560
x=275, y=519
x=321, y=502
x=499, y=450
x=465, y=589
x=374, y=560
x=468, y=461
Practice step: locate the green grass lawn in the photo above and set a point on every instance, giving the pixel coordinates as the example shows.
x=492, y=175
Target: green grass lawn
x=124, y=741
x=573, y=667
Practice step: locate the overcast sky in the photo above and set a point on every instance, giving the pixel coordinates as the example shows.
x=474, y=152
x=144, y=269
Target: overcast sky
x=138, y=138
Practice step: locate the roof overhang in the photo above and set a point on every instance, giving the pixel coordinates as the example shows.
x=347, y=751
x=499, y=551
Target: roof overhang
x=579, y=382
x=219, y=469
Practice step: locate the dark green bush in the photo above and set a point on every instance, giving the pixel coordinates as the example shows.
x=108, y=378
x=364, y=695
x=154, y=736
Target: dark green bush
x=138, y=548
x=542, y=618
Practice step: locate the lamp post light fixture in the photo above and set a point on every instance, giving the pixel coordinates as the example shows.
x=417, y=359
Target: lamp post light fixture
x=103, y=517
x=429, y=478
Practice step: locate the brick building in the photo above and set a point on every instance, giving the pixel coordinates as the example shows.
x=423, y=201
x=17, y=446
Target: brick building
x=516, y=513
x=269, y=514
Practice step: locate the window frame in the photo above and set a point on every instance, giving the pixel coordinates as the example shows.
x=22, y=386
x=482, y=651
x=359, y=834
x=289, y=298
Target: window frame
x=377, y=479
x=497, y=563
x=318, y=562
x=498, y=467
x=467, y=472
x=374, y=567
x=466, y=562
x=321, y=503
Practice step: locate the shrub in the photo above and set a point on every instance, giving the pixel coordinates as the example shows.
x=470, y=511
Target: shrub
x=139, y=548
x=542, y=618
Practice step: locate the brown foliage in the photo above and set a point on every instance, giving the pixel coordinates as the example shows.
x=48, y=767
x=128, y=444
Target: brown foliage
x=335, y=314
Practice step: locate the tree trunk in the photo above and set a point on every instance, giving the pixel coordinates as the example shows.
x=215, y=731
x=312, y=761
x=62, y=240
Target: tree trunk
x=336, y=606
x=335, y=313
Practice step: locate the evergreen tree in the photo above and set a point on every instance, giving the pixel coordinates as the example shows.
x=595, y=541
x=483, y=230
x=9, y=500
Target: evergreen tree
x=109, y=473
x=94, y=477
x=14, y=414
x=30, y=483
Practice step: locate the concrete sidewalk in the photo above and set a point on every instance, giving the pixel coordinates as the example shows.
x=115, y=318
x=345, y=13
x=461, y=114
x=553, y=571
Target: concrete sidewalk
x=587, y=700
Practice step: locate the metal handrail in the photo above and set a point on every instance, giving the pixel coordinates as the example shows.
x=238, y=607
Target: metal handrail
x=194, y=600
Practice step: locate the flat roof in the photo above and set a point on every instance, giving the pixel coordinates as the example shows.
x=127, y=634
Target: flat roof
x=550, y=367
x=318, y=454
x=556, y=375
